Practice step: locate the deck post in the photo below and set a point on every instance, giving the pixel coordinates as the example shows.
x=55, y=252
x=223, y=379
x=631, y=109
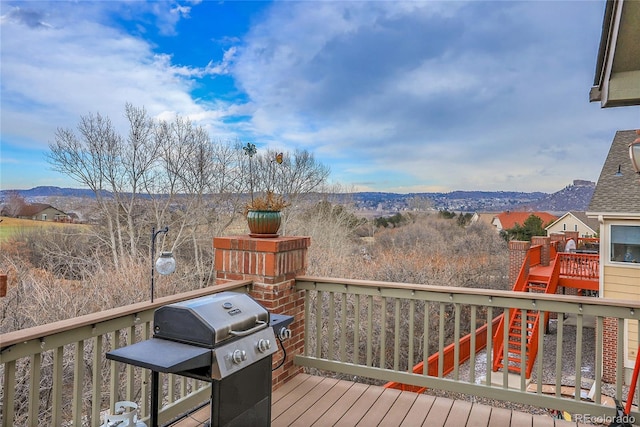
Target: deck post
x=272, y=264
x=517, y=254
x=545, y=242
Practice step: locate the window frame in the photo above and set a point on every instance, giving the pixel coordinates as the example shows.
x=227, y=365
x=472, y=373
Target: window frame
x=608, y=250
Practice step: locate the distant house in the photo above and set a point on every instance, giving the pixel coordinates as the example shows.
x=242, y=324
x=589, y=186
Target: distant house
x=574, y=221
x=507, y=220
x=42, y=212
x=483, y=217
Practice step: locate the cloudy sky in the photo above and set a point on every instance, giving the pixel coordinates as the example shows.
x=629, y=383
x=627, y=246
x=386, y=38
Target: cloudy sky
x=399, y=97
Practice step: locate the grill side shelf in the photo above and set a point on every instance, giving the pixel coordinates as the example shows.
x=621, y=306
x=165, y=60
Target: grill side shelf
x=163, y=356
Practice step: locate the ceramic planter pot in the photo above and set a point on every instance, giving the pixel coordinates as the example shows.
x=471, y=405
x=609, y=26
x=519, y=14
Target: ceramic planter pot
x=264, y=223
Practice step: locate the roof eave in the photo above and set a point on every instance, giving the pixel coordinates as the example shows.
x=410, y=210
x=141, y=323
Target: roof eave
x=614, y=215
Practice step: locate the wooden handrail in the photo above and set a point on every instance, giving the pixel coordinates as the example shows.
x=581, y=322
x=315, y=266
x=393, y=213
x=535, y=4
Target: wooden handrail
x=15, y=337
x=602, y=302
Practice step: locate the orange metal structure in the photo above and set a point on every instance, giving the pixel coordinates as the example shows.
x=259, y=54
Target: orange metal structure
x=569, y=270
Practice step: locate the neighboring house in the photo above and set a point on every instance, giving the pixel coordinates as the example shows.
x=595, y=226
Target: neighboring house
x=616, y=205
x=507, y=220
x=483, y=217
x=42, y=212
x=616, y=200
x=574, y=221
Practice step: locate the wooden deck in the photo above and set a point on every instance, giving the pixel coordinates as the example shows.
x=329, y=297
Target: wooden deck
x=309, y=400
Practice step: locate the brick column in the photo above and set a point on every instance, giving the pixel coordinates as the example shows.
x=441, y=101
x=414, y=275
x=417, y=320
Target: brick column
x=273, y=265
x=610, y=352
x=545, y=242
x=572, y=235
x=517, y=254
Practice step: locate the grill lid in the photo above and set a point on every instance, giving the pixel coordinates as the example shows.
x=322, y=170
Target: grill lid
x=211, y=320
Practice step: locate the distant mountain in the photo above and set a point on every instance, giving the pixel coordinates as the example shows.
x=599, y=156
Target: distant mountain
x=574, y=197
x=50, y=191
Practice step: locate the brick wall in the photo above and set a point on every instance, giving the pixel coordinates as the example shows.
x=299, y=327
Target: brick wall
x=572, y=235
x=610, y=353
x=545, y=242
x=273, y=265
x=517, y=254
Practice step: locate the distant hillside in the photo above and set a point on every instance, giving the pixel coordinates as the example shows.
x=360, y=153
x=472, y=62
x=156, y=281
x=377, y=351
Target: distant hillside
x=574, y=197
x=49, y=191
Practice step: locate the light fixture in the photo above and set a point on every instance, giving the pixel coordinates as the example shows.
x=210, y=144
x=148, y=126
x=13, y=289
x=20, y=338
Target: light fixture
x=619, y=173
x=634, y=153
x=165, y=264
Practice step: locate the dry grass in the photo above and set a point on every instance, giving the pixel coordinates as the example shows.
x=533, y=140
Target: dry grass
x=9, y=227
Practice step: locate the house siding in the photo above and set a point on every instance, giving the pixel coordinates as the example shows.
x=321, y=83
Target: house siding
x=570, y=223
x=622, y=283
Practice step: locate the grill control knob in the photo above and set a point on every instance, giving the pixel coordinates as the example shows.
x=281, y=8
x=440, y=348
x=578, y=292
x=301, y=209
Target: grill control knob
x=239, y=356
x=264, y=345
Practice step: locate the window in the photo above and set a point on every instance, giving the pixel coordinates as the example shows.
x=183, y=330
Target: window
x=625, y=243
x=575, y=227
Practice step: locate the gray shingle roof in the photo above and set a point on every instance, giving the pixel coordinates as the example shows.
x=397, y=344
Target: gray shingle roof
x=617, y=194
x=592, y=223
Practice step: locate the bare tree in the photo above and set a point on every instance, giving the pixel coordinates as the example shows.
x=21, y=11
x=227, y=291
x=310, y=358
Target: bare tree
x=87, y=158
x=14, y=204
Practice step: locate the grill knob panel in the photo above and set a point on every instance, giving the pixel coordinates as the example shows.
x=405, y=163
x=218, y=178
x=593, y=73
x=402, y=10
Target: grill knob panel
x=239, y=356
x=264, y=345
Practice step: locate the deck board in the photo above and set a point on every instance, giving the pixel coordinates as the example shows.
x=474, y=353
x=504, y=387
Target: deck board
x=381, y=408
x=500, y=417
x=293, y=412
x=419, y=411
x=342, y=405
x=459, y=414
x=479, y=416
x=439, y=412
x=360, y=407
x=309, y=400
x=312, y=414
x=399, y=410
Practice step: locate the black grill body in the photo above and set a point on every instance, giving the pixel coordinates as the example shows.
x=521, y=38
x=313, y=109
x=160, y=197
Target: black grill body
x=225, y=339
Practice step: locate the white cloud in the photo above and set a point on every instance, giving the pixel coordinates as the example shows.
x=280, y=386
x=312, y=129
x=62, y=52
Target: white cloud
x=391, y=95
x=52, y=75
x=480, y=94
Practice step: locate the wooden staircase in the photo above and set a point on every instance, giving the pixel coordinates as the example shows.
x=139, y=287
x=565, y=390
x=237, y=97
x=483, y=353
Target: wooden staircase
x=523, y=327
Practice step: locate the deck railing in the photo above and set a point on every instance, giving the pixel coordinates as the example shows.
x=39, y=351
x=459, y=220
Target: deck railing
x=376, y=330
x=57, y=374
x=579, y=266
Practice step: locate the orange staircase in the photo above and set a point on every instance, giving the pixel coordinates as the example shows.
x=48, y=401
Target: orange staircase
x=528, y=281
x=570, y=270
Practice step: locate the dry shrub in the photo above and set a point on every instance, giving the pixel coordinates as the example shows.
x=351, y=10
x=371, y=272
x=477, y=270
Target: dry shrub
x=429, y=251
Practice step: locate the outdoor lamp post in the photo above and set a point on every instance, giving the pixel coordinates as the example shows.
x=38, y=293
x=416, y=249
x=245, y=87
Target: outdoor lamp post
x=165, y=264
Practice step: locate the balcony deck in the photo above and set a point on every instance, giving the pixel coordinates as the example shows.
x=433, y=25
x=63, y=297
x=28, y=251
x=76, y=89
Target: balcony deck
x=309, y=400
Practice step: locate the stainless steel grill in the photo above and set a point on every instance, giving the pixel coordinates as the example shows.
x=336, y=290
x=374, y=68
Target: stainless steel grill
x=226, y=338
